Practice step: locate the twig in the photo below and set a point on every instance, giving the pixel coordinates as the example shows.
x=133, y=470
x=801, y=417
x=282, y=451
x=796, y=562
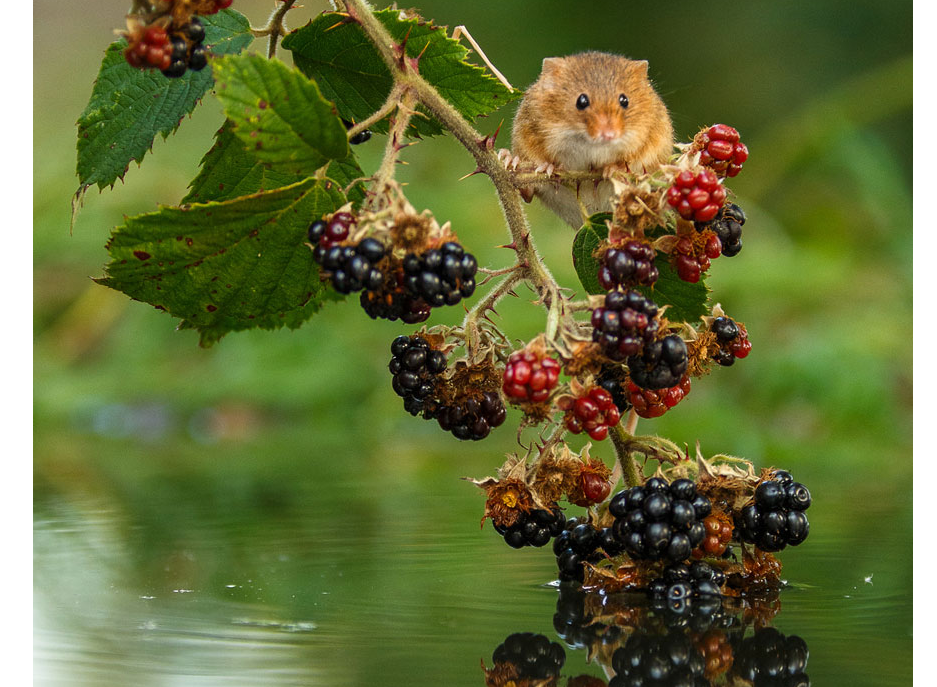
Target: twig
x=629, y=467
x=275, y=27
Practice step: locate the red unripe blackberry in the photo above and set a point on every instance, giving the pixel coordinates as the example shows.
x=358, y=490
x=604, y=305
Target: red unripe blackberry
x=721, y=150
x=628, y=265
x=528, y=377
x=650, y=403
x=593, y=413
x=594, y=486
x=624, y=324
x=696, y=196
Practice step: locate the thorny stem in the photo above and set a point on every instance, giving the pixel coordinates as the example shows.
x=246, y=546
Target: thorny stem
x=392, y=102
x=470, y=324
x=275, y=27
x=629, y=465
x=385, y=173
x=405, y=73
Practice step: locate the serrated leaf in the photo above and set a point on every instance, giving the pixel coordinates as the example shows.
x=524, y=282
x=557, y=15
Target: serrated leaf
x=688, y=302
x=350, y=72
x=226, y=266
x=230, y=171
x=279, y=114
x=129, y=107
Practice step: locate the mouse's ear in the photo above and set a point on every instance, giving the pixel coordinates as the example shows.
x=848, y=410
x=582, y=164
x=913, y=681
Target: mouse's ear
x=551, y=68
x=639, y=67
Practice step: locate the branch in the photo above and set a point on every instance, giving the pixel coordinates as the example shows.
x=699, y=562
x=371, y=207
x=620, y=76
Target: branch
x=275, y=27
x=621, y=440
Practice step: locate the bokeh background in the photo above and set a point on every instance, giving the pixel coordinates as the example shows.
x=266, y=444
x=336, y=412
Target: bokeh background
x=265, y=512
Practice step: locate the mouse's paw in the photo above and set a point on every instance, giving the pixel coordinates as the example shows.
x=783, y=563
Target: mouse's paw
x=509, y=161
x=547, y=168
x=608, y=171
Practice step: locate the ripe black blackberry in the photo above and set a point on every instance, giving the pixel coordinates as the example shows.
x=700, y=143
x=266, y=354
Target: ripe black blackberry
x=360, y=137
x=187, y=50
x=631, y=264
x=614, y=379
x=769, y=658
x=662, y=364
x=680, y=583
x=442, y=276
x=660, y=521
x=351, y=268
x=577, y=543
x=651, y=659
x=470, y=418
x=775, y=518
x=533, y=655
x=728, y=227
x=394, y=304
x=415, y=366
x=625, y=324
x=535, y=528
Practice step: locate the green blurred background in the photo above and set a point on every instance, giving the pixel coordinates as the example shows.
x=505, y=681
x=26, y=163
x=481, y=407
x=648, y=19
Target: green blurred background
x=277, y=458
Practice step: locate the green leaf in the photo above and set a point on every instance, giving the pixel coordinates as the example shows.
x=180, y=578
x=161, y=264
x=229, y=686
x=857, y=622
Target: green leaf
x=230, y=171
x=226, y=266
x=688, y=302
x=279, y=114
x=351, y=73
x=129, y=107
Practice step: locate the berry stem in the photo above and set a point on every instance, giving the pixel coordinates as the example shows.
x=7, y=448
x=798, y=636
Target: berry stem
x=383, y=178
x=470, y=324
x=406, y=75
x=275, y=27
x=621, y=441
x=393, y=101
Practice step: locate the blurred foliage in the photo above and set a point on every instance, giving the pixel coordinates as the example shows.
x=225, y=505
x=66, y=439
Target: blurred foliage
x=209, y=450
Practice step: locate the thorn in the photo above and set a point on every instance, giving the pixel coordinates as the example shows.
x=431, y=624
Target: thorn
x=471, y=174
x=512, y=292
x=512, y=246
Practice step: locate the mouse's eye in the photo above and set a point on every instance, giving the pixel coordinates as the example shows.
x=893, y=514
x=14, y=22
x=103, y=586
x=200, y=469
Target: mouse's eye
x=582, y=102
x=623, y=100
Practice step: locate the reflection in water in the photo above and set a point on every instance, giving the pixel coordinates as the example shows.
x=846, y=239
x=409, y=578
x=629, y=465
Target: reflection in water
x=642, y=643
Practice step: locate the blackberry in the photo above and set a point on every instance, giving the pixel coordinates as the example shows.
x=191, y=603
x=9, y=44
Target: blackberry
x=198, y=58
x=648, y=659
x=649, y=403
x=442, y=276
x=352, y=268
x=660, y=521
x=577, y=543
x=593, y=413
x=574, y=624
x=415, y=366
x=614, y=379
x=194, y=31
x=725, y=329
x=662, y=364
x=533, y=655
x=721, y=150
x=697, y=196
x=529, y=377
x=471, y=418
x=358, y=138
x=175, y=69
x=624, y=324
x=535, y=528
x=728, y=227
x=769, y=658
x=776, y=519
x=394, y=302
x=631, y=264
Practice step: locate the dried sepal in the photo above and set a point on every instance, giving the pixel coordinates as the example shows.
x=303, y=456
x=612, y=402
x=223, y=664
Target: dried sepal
x=554, y=473
x=636, y=207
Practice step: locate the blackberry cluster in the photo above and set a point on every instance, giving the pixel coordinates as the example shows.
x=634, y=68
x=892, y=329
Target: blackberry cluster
x=442, y=276
x=660, y=660
x=776, y=518
x=187, y=50
x=535, y=528
x=696, y=197
x=534, y=656
x=415, y=366
x=660, y=521
x=680, y=583
x=578, y=543
x=529, y=377
x=151, y=48
x=471, y=418
x=732, y=339
x=614, y=379
x=631, y=264
x=769, y=659
x=691, y=259
x=728, y=227
x=625, y=324
x=662, y=364
x=351, y=268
